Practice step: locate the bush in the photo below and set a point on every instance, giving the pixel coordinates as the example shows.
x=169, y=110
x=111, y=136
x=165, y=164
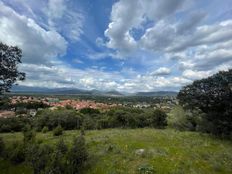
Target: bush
x=61, y=147
x=29, y=134
x=77, y=155
x=89, y=111
x=45, y=129
x=58, y=131
x=58, y=163
x=146, y=169
x=17, y=154
x=2, y=147
x=177, y=118
x=67, y=118
x=15, y=124
x=38, y=157
x=158, y=119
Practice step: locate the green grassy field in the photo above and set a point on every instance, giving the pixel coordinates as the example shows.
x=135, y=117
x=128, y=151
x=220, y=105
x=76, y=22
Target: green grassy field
x=113, y=151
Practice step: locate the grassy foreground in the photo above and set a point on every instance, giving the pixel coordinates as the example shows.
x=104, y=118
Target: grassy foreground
x=115, y=151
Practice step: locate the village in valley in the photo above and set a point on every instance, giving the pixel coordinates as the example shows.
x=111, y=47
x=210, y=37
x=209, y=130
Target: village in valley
x=19, y=104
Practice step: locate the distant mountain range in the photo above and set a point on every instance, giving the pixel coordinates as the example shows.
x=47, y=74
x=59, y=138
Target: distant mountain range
x=67, y=91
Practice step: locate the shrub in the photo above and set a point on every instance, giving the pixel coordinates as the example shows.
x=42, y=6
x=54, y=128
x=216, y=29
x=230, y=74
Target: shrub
x=58, y=163
x=58, y=131
x=2, y=147
x=17, y=154
x=29, y=134
x=158, y=119
x=13, y=124
x=177, y=118
x=89, y=111
x=38, y=156
x=67, y=118
x=77, y=155
x=61, y=146
x=146, y=169
x=45, y=129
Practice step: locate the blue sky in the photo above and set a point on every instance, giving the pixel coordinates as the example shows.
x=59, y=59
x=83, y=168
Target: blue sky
x=125, y=45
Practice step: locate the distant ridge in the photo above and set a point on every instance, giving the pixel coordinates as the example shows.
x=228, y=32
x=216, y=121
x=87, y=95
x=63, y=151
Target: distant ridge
x=158, y=93
x=69, y=91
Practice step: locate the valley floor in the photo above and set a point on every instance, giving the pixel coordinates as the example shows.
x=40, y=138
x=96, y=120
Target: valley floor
x=129, y=151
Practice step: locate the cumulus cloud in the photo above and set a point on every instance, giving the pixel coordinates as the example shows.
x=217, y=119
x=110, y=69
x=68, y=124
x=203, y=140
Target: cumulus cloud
x=130, y=14
x=197, y=48
x=152, y=35
x=39, y=45
x=60, y=12
x=162, y=71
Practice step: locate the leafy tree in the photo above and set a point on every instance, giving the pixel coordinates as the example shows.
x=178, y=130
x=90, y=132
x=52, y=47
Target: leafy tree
x=89, y=111
x=158, y=119
x=212, y=96
x=10, y=57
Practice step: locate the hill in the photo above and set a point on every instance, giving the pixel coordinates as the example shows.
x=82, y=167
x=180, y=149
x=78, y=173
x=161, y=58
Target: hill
x=137, y=150
x=157, y=93
x=67, y=91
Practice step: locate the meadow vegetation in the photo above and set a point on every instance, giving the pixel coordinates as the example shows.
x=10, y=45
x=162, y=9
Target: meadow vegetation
x=128, y=151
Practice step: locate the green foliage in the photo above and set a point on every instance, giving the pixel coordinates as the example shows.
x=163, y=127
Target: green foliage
x=56, y=164
x=113, y=151
x=89, y=111
x=38, y=156
x=15, y=124
x=16, y=153
x=61, y=147
x=158, y=119
x=30, y=105
x=58, y=131
x=177, y=118
x=213, y=97
x=45, y=129
x=29, y=134
x=67, y=118
x=4, y=103
x=10, y=57
x=77, y=155
x=146, y=169
x=2, y=147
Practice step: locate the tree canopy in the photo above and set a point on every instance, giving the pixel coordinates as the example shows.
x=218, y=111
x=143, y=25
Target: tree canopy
x=212, y=96
x=10, y=57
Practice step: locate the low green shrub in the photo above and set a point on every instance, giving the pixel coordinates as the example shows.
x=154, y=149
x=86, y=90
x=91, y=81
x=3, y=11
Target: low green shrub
x=146, y=169
x=58, y=131
x=77, y=155
x=2, y=147
x=45, y=129
x=16, y=154
x=158, y=119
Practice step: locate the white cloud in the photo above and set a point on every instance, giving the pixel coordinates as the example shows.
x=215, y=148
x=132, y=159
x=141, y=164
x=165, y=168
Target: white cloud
x=161, y=71
x=78, y=61
x=39, y=45
x=190, y=74
x=63, y=18
x=130, y=14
